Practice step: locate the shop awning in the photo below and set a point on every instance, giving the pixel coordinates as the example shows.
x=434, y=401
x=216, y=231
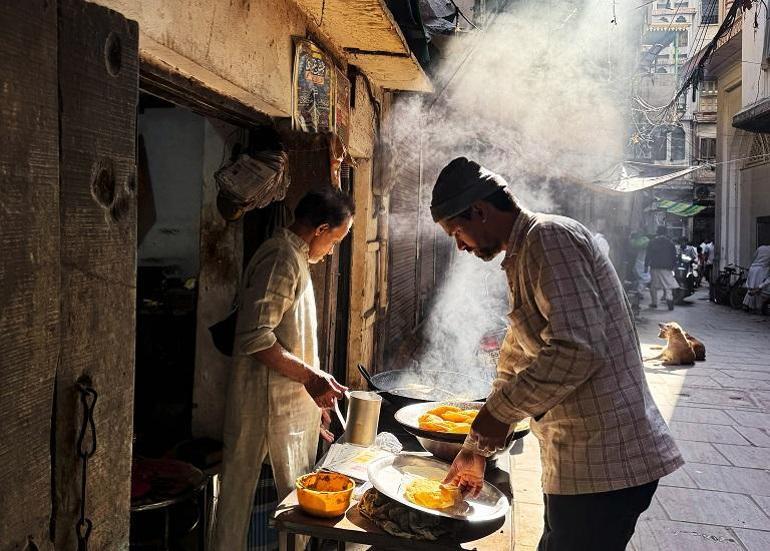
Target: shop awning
x=680, y=209
x=368, y=33
x=627, y=177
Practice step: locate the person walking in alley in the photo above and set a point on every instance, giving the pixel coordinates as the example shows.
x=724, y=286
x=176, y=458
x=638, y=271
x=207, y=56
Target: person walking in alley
x=570, y=360
x=661, y=262
x=637, y=248
x=276, y=385
x=757, y=279
x=701, y=265
x=707, y=249
x=688, y=249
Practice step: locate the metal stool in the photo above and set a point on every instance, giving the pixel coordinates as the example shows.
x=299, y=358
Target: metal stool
x=168, y=504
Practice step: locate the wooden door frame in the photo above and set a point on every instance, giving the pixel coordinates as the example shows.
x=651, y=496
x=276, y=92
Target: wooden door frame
x=363, y=196
x=163, y=80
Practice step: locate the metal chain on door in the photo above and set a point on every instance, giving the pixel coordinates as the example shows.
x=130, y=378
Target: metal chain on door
x=85, y=451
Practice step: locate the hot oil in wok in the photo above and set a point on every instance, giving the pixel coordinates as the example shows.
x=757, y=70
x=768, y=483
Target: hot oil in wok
x=436, y=386
x=429, y=393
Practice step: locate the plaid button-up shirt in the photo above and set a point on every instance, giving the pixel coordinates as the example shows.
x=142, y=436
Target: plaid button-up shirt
x=572, y=356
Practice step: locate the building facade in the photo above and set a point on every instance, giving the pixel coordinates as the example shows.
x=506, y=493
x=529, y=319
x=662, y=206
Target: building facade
x=671, y=135
x=739, y=65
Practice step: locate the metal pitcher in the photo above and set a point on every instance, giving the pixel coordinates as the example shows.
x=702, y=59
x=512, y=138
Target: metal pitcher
x=363, y=417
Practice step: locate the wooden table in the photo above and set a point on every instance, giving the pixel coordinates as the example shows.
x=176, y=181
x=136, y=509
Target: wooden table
x=355, y=528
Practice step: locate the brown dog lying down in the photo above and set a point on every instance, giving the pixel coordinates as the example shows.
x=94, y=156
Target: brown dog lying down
x=681, y=348
x=697, y=346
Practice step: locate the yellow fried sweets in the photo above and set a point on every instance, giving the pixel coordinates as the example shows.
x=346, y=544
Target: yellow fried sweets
x=431, y=493
x=450, y=419
x=459, y=428
x=432, y=422
x=441, y=410
x=466, y=416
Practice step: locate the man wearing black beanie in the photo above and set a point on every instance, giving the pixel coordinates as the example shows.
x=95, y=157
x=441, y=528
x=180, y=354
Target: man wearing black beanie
x=570, y=360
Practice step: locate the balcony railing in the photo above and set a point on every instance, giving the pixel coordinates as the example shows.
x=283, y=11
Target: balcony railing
x=733, y=32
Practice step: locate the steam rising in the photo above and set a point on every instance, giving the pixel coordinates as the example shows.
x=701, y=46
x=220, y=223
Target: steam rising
x=471, y=303
x=540, y=99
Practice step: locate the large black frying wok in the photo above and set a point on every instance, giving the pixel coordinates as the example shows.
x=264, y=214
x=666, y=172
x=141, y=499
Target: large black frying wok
x=402, y=387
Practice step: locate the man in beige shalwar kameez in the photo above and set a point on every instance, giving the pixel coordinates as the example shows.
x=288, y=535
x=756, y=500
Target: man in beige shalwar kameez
x=276, y=386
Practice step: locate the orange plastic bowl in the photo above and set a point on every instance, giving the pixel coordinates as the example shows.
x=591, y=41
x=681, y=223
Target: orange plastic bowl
x=324, y=494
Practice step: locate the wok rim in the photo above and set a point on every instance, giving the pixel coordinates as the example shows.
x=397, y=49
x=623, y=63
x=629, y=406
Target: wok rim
x=377, y=378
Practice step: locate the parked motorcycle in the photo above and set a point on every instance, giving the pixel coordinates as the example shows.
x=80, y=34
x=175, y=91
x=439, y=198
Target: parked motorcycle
x=685, y=276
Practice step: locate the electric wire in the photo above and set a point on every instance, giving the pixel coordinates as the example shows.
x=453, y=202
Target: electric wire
x=669, y=115
x=477, y=42
x=461, y=14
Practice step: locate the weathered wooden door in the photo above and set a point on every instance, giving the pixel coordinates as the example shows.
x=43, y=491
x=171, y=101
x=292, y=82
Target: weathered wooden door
x=98, y=84
x=68, y=269
x=29, y=267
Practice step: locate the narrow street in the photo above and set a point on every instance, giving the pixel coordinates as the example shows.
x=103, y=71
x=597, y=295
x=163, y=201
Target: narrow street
x=719, y=412
x=256, y=231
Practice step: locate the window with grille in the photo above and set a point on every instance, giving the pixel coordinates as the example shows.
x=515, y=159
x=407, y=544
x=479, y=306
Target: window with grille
x=760, y=150
x=707, y=101
x=658, y=147
x=677, y=144
x=709, y=12
x=682, y=38
x=707, y=149
x=708, y=104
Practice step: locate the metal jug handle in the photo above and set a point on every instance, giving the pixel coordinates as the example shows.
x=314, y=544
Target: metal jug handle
x=340, y=418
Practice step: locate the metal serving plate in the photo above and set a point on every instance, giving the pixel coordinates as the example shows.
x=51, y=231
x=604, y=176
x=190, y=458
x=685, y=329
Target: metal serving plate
x=409, y=417
x=447, y=451
x=390, y=476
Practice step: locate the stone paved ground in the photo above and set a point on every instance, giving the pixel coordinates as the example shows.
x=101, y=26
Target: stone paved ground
x=719, y=412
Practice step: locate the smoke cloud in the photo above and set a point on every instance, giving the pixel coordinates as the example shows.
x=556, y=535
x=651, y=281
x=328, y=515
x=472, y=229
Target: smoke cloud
x=538, y=94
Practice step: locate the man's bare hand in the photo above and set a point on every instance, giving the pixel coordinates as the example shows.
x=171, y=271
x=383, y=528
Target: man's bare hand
x=324, y=431
x=467, y=472
x=487, y=432
x=324, y=389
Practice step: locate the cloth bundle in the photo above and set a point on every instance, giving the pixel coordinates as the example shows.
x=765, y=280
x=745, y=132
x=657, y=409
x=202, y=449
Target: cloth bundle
x=252, y=181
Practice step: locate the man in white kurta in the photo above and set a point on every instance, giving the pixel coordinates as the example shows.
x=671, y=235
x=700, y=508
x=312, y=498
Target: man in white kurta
x=276, y=385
